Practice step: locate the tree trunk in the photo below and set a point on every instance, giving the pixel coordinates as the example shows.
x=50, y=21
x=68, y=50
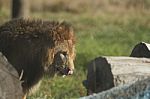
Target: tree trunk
x=20, y=8
x=137, y=90
x=107, y=72
x=10, y=86
x=141, y=50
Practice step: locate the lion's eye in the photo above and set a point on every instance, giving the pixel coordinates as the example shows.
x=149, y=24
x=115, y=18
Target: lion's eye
x=64, y=53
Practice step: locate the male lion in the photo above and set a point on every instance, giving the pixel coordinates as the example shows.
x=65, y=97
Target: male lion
x=36, y=47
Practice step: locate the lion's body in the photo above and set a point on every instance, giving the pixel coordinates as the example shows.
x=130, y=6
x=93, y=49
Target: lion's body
x=30, y=46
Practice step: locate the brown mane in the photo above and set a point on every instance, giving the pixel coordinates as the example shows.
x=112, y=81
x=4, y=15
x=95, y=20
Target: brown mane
x=58, y=31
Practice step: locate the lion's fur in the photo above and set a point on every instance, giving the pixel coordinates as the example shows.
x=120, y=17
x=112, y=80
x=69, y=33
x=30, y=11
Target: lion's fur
x=30, y=46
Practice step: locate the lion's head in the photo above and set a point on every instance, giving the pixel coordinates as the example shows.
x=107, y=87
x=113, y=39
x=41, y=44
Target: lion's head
x=50, y=43
x=63, y=53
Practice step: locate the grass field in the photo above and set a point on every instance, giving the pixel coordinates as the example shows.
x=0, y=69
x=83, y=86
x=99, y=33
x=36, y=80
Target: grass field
x=104, y=32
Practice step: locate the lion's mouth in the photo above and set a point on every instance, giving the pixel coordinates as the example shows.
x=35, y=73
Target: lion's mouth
x=65, y=71
x=68, y=71
x=61, y=62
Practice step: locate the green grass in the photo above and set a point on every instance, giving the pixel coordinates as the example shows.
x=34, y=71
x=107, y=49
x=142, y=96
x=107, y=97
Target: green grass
x=98, y=34
x=61, y=88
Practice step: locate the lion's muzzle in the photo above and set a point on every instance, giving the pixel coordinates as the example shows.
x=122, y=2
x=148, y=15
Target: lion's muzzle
x=63, y=64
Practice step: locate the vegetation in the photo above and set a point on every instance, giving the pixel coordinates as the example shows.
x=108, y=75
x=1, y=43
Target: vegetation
x=100, y=31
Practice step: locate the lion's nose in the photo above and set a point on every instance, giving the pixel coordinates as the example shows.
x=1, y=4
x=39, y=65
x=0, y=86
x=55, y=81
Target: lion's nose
x=69, y=71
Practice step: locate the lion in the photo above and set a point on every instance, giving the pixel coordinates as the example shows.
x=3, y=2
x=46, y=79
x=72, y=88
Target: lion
x=36, y=47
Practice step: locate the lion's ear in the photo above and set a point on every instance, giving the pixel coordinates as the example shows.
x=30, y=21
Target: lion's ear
x=60, y=28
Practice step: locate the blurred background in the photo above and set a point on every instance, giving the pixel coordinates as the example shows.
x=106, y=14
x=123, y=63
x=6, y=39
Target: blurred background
x=102, y=28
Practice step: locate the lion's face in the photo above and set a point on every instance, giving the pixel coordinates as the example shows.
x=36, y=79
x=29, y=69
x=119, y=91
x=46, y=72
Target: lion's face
x=62, y=54
x=64, y=58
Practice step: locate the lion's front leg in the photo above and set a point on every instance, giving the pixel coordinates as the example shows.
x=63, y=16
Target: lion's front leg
x=24, y=97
